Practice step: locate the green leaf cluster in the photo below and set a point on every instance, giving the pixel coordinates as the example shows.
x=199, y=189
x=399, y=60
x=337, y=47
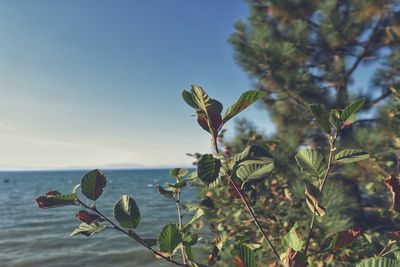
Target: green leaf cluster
x=209, y=110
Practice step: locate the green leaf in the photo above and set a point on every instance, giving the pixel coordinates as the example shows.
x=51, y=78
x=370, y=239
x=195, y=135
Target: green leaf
x=208, y=168
x=189, y=239
x=199, y=213
x=204, y=102
x=251, y=152
x=350, y=120
x=188, y=98
x=169, y=238
x=126, y=212
x=311, y=162
x=351, y=155
x=208, y=109
x=244, y=255
x=178, y=172
x=312, y=196
x=352, y=109
x=164, y=192
x=293, y=239
x=321, y=116
x=65, y=197
x=396, y=255
x=335, y=120
x=88, y=229
x=93, y=183
x=189, y=253
x=378, y=262
x=251, y=170
x=245, y=100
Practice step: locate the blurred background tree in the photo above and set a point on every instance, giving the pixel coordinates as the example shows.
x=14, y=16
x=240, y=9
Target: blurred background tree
x=320, y=51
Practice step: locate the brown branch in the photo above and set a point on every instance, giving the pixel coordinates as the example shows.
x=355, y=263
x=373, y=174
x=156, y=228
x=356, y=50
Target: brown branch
x=134, y=237
x=378, y=99
x=254, y=218
x=364, y=49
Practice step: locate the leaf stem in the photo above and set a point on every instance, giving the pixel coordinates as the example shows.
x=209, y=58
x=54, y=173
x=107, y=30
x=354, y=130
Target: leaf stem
x=255, y=220
x=321, y=187
x=178, y=207
x=215, y=142
x=133, y=236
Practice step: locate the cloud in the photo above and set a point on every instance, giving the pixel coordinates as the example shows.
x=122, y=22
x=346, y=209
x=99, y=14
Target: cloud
x=32, y=152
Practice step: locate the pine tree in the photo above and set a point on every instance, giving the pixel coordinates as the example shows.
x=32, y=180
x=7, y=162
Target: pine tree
x=310, y=51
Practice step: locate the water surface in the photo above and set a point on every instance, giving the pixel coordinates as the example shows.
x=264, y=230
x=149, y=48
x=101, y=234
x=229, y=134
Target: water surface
x=33, y=237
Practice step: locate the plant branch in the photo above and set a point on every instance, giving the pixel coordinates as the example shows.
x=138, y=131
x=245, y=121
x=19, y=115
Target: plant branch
x=133, y=236
x=321, y=187
x=364, y=50
x=215, y=142
x=178, y=207
x=378, y=99
x=253, y=216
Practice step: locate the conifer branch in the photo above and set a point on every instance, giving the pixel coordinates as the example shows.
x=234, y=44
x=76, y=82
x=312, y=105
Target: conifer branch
x=364, y=49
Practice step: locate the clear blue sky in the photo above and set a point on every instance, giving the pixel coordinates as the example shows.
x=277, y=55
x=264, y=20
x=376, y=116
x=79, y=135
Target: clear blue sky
x=97, y=83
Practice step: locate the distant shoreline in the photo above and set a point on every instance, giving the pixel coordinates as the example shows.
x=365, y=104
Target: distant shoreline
x=86, y=169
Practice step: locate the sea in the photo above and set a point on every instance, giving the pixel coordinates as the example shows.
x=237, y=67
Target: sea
x=33, y=237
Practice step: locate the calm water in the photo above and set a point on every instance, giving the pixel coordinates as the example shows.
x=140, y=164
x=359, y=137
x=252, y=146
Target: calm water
x=32, y=237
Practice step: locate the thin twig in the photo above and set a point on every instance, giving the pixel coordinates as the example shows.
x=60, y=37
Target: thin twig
x=253, y=216
x=134, y=237
x=364, y=49
x=321, y=188
x=178, y=207
x=251, y=212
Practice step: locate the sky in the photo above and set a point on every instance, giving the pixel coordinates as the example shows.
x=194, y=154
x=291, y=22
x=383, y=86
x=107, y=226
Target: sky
x=97, y=84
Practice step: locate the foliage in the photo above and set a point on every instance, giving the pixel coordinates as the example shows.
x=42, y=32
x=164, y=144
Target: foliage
x=332, y=53
x=239, y=176
x=324, y=189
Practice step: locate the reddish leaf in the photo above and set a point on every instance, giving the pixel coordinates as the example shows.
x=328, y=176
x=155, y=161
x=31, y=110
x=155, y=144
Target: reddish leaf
x=87, y=217
x=202, y=120
x=51, y=200
x=344, y=238
x=215, y=121
x=393, y=185
x=238, y=262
